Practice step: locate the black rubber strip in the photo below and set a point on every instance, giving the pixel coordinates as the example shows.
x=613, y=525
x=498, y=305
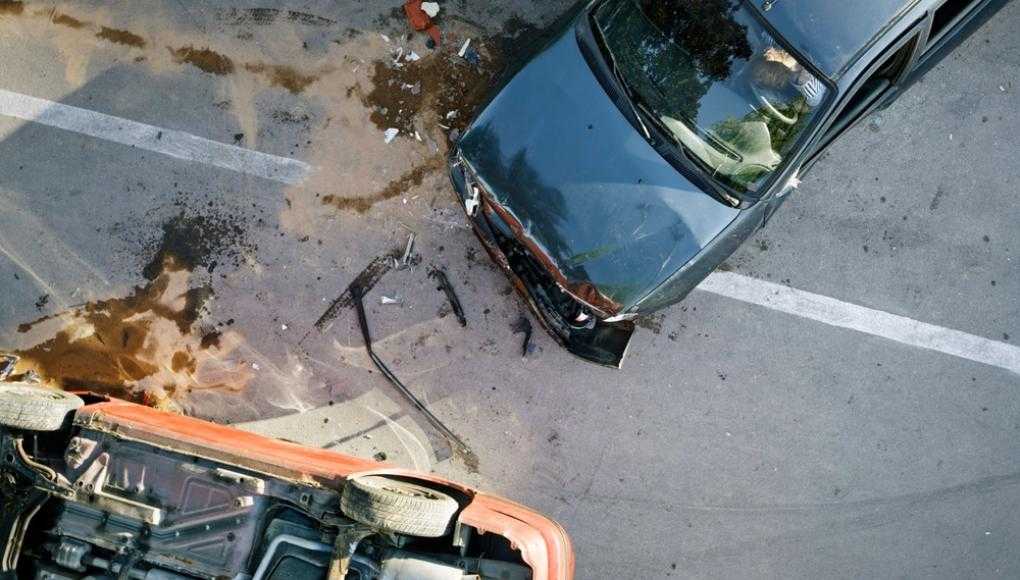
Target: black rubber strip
x=456, y=444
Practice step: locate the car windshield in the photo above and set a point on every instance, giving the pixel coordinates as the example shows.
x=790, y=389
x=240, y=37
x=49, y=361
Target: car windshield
x=711, y=76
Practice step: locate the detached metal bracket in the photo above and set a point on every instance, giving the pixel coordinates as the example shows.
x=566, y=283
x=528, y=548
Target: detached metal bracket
x=7, y=364
x=457, y=445
x=345, y=546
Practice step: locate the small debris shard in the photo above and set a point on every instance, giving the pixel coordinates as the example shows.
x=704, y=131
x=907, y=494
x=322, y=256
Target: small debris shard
x=430, y=8
x=451, y=295
x=472, y=56
x=523, y=326
x=390, y=134
x=464, y=48
x=405, y=260
x=388, y=300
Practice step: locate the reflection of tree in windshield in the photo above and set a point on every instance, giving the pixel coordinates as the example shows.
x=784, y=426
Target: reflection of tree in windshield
x=681, y=47
x=705, y=29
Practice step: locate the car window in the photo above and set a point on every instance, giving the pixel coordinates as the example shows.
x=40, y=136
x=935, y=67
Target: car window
x=712, y=76
x=869, y=92
x=946, y=15
x=832, y=32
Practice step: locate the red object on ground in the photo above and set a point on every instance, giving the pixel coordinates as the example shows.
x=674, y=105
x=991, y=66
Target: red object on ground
x=416, y=16
x=420, y=21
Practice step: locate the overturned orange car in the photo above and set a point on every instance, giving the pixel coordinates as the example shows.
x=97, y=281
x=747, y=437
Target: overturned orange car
x=99, y=488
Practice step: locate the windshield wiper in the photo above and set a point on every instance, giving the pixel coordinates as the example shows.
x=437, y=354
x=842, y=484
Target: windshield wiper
x=691, y=160
x=622, y=80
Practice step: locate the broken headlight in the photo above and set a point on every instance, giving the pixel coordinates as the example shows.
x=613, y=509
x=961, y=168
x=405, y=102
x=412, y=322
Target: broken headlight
x=471, y=196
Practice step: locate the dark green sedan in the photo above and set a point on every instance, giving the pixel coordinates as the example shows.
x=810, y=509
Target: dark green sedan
x=645, y=140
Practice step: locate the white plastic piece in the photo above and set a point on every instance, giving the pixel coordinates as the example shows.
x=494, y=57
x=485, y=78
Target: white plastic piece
x=390, y=134
x=430, y=8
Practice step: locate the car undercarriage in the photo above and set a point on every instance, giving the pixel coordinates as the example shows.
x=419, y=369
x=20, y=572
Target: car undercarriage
x=89, y=500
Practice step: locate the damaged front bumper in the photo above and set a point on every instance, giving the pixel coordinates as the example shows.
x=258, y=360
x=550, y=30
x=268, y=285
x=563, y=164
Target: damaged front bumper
x=574, y=324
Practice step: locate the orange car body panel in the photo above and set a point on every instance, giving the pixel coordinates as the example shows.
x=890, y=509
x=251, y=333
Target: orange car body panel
x=543, y=543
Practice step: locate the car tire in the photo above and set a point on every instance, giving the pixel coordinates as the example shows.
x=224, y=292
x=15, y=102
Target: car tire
x=35, y=408
x=398, y=506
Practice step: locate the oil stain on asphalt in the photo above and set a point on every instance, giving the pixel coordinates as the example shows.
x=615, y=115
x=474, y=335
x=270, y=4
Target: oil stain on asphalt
x=153, y=345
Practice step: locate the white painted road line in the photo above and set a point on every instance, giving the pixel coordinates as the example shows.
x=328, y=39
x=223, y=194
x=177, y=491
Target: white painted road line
x=177, y=144
x=862, y=319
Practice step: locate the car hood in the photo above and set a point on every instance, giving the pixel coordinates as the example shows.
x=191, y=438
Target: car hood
x=612, y=217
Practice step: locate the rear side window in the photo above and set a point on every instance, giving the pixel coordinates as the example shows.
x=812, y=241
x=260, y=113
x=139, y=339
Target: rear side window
x=946, y=15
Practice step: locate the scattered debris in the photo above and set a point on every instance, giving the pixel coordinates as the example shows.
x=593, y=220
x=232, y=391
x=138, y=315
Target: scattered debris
x=421, y=20
x=464, y=48
x=412, y=56
x=405, y=259
x=380, y=456
x=364, y=282
x=7, y=364
x=430, y=8
x=472, y=56
x=388, y=300
x=200, y=237
x=390, y=134
x=523, y=325
x=457, y=445
x=451, y=295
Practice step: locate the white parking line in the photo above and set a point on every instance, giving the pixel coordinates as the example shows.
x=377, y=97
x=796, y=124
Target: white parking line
x=862, y=319
x=177, y=144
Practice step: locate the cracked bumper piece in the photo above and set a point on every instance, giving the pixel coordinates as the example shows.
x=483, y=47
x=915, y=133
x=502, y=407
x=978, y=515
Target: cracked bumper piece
x=572, y=323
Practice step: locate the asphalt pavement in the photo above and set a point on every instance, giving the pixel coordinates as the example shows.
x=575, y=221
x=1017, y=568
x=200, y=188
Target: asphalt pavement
x=188, y=188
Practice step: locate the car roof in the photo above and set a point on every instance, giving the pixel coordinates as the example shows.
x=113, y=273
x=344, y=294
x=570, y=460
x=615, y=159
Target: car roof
x=831, y=33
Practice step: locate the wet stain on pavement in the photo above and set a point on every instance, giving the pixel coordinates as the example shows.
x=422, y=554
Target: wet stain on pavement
x=121, y=37
x=283, y=76
x=203, y=59
x=199, y=240
x=443, y=85
x=144, y=346
x=68, y=21
x=267, y=16
x=11, y=7
x=397, y=187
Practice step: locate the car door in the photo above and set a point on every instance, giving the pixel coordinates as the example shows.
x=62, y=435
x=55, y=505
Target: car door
x=874, y=88
x=949, y=23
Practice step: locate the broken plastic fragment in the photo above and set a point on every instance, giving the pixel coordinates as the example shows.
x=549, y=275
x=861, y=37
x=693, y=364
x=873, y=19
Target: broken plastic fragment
x=430, y=8
x=388, y=300
x=412, y=56
x=391, y=134
x=463, y=49
x=405, y=259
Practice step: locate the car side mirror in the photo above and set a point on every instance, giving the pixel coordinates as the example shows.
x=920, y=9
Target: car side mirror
x=791, y=184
